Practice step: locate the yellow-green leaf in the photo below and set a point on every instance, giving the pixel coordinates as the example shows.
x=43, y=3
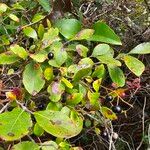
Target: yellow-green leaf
x=67, y=83
x=96, y=84
x=83, y=34
x=3, y=7
x=40, y=56
x=8, y=58
x=20, y=51
x=59, y=124
x=26, y=145
x=143, y=48
x=135, y=65
x=13, y=17
x=48, y=73
x=30, y=32
x=108, y=113
x=15, y=124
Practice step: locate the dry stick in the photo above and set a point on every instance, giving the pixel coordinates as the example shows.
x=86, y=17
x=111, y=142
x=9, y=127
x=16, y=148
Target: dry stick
x=126, y=143
x=143, y=124
x=4, y=107
x=24, y=107
x=111, y=143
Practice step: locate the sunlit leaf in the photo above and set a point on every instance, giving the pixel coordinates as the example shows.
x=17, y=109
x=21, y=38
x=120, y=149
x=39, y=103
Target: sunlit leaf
x=67, y=83
x=37, y=18
x=30, y=32
x=15, y=124
x=38, y=131
x=135, y=65
x=40, y=56
x=74, y=99
x=18, y=50
x=96, y=84
x=3, y=7
x=59, y=124
x=8, y=58
x=13, y=17
x=143, y=48
x=26, y=145
x=101, y=49
x=49, y=145
x=108, y=60
x=49, y=37
x=48, y=73
x=82, y=50
x=83, y=34
x=53, y=106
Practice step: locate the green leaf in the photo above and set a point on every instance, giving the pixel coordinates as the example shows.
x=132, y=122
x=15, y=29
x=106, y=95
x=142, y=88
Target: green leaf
x=8, y=58
x=83, y=34
x=108, y=113
x=30, y=32
x=135, y=65
x=143, y=48
x=103, y=33
x=26, y=145
x=82, y=50
x=38, y=131
x=41, y=31
x=50, y=36
x=60, y=55
x=13, y=17
x=49, y=145
x=45, y=4
x=59, y=124
x=106, y=59
x=99, y=71
x=81, y=73
x=37, y=18
x=15, y=124
x=101, y=49
x=18, y=50
x=40, y=56
x=3, y=7
x=85, y=63
x=116, y=75
x=33, y=78
x=52, y=106
x=17, y=6
x=68, y=27
x=74, y=99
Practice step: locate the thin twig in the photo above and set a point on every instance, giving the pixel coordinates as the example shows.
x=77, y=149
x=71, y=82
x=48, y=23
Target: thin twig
x=143, y=124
